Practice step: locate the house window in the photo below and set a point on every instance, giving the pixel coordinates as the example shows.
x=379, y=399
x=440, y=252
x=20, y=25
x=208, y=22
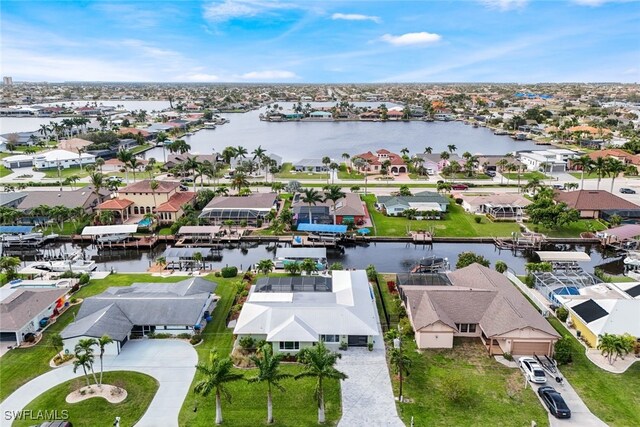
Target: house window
x=464, y=327
x=289, y=345
x=330, y=338
x=472, y=327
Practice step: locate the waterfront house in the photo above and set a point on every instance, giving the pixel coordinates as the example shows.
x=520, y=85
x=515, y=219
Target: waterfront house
x=83, y=197
x=617, y=154
x=499, y=205
x=22, y=310
x=62, y=159
x=292, y=313
x=349, y=209
x=252, y=208
x=141, y=309
x=174, y=160
x=135, y=131
x=434, y=164
x=321, y=116
x=423, y=202
x=481, y=303
x=20, y=138
x=552, y=160
x=598, y=204
x=376, y=161
x=310, y=165
x=74, y=144
x=115, y=165
x=138, y=199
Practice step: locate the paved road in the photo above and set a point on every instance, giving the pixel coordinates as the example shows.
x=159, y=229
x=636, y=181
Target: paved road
x=171, y=362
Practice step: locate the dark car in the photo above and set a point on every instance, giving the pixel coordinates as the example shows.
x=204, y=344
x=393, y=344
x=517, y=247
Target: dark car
x=459, y=187
x=184, y=188
x=554, y=401
x=627, y=191
x=558, y=186
x=490, y=173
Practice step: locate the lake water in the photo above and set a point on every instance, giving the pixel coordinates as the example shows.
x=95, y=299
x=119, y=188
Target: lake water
x=296, y=140
x=387, y=257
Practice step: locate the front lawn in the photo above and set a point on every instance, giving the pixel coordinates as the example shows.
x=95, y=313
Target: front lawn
x=295, y=407
x=456, y=223
x=589, y=175
x=490, y=394
x=66, y=172
x=343, y=173
x=614, y=398
x=572, y=230
x=287, y=172
x=97, y=411
x=462, y=176
x=4, y=171
x=526, y=176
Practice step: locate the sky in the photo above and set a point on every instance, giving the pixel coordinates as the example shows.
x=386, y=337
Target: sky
x=305, y=41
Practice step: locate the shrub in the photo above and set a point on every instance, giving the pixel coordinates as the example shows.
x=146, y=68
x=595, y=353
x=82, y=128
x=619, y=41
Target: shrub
x=501, y=266
x=343, y=346
x=73, y=300
x=84, y=279
x=75, y=288
x=160, y=336
x=562, y=352
x=530, y=281
x=243, y=223
x=247, y=343
x=371, y=272
x=336, y=266
x=477, y=219
x=184, y=336
x=405, y=326
x=562, y=314
x=508, y=356
x=370, y=346
x=467, y=258
x=457, y=389
x=259, y=223
x=217, y=274
x=195, y=339
x=391, y=285
x=458, y=201
x=228, y=272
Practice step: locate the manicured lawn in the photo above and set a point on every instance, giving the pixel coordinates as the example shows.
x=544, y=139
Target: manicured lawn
x=572, y=230
x=526, y=176
x=344, y=174
x=68, y=228
x=590, y=175
x=614, y=398
x=4, y=171
x=66, y=172
x=287, y=172
x=138, y=148
x=463, y=176
x=248, y=407
x=495, y=395
x=456, y=223
x=165, y=231
x=97, y=411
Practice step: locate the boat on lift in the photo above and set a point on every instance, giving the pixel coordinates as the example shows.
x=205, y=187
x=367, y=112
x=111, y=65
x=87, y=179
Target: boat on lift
x=431, y=264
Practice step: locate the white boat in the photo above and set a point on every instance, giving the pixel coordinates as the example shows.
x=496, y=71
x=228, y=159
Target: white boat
x=29, y=239
x=113, y=238
x=286, y=256
x=632, y=259
x=209, y=125
x=75, y=265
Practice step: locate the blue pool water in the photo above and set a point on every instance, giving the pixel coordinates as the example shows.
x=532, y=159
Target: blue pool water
x=145, y=222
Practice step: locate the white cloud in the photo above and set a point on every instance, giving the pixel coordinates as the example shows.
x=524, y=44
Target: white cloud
x=269, y=75
x=505, y=4
x=201, y=78
x=234, y=9
x=596, y=3
x=356, y=17
x=410, y=39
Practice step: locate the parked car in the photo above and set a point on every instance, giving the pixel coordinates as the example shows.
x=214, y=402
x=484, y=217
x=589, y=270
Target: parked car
x=554, y=401
x=459, y=187
x=624, y=190
x=532, y=370
x=115, y=179
x=558, y=186
x=492, y=174
x=184, y=180
x=184, y=188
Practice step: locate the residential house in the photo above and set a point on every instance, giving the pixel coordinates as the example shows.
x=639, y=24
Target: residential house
x=84, y=197
x=482, y=303
x=53, y=159
x=552, y=160
x=376, y=161
x=11, y=199
x=21, y=311
x=115, y=165
x=20, y=138
x=74, y=144
x=310, y=165
x=174, y=160
x=252, y=208
x=433, y=163
x=498, y=205
x=618, y=154
x=141, y=309
x=425, y=201
x=167, y=201
x=349, y=209
x=135, y=131
x=293, y=313
x=597, y=316
x=598, y=204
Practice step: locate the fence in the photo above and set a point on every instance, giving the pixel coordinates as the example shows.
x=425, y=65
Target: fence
x=542, y=306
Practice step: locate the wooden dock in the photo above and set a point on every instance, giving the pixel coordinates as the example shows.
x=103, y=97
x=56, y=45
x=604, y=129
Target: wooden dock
x=140, y=243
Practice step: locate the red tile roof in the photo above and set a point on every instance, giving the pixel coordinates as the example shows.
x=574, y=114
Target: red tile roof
x=593, y=200
x=616, y=152
x=176, y=201
x=123, y=131
x=111, y=204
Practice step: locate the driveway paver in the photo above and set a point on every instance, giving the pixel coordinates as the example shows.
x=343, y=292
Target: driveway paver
x=171, y=362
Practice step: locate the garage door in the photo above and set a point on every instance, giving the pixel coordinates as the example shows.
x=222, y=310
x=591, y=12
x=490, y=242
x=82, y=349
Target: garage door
x=526, y=348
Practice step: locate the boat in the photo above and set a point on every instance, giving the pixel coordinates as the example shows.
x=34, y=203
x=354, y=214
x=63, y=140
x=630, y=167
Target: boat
x=632, y=259
x=26, y=240
x=286, y=256
x=475, y=125
x=189, y=134
x=432, y=264
x=113, y=238
x=77, y=265
x=209, y=125
x=500, y=132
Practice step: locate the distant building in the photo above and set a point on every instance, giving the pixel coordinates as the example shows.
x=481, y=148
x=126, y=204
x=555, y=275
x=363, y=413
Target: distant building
x=7, y=81
x=552, y=160
x=376, y=161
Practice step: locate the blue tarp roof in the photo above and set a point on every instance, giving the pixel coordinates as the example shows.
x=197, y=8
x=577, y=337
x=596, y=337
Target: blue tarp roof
x=322, y=228
x=15, y=229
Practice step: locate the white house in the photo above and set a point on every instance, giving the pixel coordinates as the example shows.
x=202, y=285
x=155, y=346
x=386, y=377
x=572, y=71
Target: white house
x=61, y=158
x=296, y=312
x=22, y=309
x=18, y=161
x=552, y=160
x=140, y=309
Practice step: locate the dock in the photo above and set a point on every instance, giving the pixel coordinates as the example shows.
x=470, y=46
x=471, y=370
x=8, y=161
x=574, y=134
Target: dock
x=139, y=243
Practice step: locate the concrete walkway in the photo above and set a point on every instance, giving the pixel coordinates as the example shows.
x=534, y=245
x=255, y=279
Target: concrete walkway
x=367, y=396
x=171, y=362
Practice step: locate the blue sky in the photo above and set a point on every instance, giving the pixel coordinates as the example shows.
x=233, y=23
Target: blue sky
x=321, y=41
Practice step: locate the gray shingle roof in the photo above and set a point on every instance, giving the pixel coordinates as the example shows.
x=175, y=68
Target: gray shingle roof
x=22, y=305
x=422, y=197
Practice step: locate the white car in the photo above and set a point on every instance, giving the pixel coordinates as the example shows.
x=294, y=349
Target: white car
x=532, y=370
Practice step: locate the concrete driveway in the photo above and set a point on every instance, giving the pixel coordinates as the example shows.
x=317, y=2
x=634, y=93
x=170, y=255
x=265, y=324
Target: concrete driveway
x=13, y=177
x=171, y=362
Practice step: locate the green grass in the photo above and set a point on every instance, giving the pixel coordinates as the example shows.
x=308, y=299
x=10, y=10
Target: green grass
x=295, y=407
x=69, y=228
x=462, y=176
x=4, y=171
x=287, y=172
x=66, y=173
x=526, y=176
x=496, y=396
x=572, y=230
x=139, y=148
x=344, y=174
x=165, y=231
x=590, y=175
x=614, y=398
x=456, y=223
x=97, y=411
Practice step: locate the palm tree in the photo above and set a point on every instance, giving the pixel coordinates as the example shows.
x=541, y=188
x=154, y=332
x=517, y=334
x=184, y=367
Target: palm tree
x=103, y=341
x=97, y=182
x=428, y=150
x=217, y=373
x=401, y=364
x=265, y=266
x=319, y=362
x=268, y=365
x=55, y=340
x=326, y=161
x=607, y=345
x=154, y=186
x=361, y=165
x=191, y=164
x=258, y=152
x=179, y=146
x=99, y=163
x=616, y=167
x=333, y=167
x=72, y=180
x=134, y=164
x=85, y=347
x=125, y=157
x=334, y=193
x=239, y=182
x=82, y=360
x=501, y=164
x=451, y=148
x=277, y=186
x=534, y=185
x=240, y=151
x=311, y=196
x=345, y=156
x=601, y=168
x=404, y=151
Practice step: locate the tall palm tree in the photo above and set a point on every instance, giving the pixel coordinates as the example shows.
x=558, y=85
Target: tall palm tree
x=134, y=164
x=319, y=362
x=362, y=165
x=501, y=164
x=239, y=182
x=400, y=363
x=428, y=150
x=99, y=163
x=268, y=365
x=258, y=152
x=345, y=156
x=240, y=151
x=103, y=341
x=85, y=347
x=125, y=157
x=451, y=148
x=404, y=151
x=333, y=167
x=153, y=185
x=191, y=164
x=265, y=266
x=616, y=167
x=217, y=374
x=311, y=196
x=334, y=193
x=82, y=360
x=326, y=161
x=97, y=182
x=601, y=168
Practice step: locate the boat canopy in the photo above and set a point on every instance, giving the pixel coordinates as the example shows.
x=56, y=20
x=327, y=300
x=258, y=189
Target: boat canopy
x=313, y=253
x=208, y=230
x=322, y=228
x=559, y=256
x=624, y=232
x=102, y=230
x=185, y=252
x=15, y=229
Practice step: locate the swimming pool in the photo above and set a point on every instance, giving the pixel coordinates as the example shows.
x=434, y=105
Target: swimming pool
x=144, y=222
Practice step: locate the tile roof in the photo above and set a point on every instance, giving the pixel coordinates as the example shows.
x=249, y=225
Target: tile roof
x=253, y=201
x=176, y=201
x=595, y=200
x=118, y=204
x=124, y=131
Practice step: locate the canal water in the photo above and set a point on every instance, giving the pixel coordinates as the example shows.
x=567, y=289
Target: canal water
x=387, y=257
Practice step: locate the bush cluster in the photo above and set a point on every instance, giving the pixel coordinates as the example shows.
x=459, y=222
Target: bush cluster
x=228, y=272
